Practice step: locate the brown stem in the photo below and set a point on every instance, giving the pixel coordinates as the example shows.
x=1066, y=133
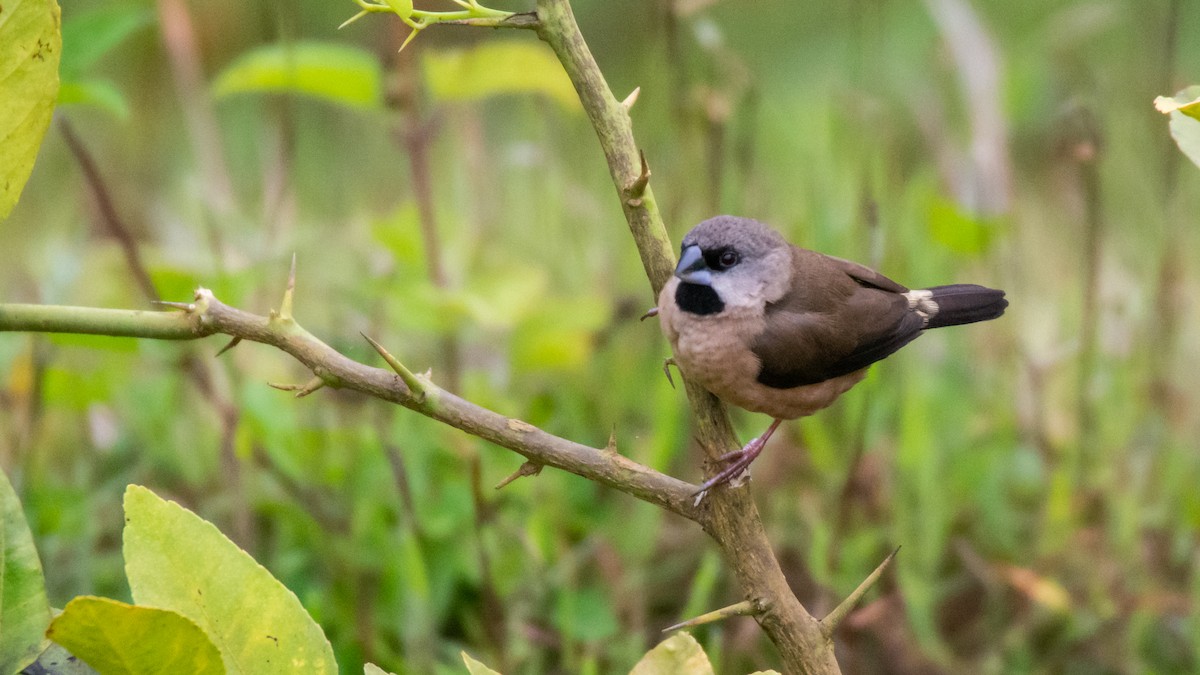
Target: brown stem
x=732, y=516
x=108, y=211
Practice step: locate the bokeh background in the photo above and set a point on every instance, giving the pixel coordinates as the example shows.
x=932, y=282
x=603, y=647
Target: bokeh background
x=1039, y=472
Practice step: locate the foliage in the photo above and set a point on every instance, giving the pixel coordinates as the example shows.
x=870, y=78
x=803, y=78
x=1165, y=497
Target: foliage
x=30, y=49
x=1044, y=498
x=24, y=611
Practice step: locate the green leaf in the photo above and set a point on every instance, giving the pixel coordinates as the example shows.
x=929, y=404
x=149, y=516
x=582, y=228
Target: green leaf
x=679, y=654
x=56, y=660
x=176, y=560
x=372, y=669
x=498, y=67
x=476, y=668
x=402, y=8
x=87, y=36
x=1185, y=128
x=120, y=639
x=334, y=73
x=96, y=93
x=958, y=230
x=559, y=333
x=24, y=610
x=30, y=47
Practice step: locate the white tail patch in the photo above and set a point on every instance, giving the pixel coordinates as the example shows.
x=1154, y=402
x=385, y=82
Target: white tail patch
x=921, y=301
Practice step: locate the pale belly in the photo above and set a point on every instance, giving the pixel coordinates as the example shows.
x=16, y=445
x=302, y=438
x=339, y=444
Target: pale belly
x=712, y=351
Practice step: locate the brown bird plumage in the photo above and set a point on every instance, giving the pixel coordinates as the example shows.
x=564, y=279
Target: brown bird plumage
x=785, y=331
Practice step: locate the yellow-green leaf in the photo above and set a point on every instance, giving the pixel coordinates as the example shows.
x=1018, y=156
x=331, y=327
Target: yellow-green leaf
x=476, y=668
x=335, y=73
x=24, y=611
x=1185, y=128
x=120, y=639
x=372, y=669
x=176, y=560
x=56, y=660
x=498, y=67
x=402, y=8
x=958, y=230
x=30, y=49
x=679, y=654
x=1184, y=102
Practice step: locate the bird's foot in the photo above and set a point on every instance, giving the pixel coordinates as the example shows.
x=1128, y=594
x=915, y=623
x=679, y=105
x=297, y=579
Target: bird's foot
x=739, y=462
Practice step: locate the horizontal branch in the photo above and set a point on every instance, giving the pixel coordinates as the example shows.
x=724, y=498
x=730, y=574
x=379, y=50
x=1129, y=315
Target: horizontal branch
x=208, y=316
x=93, y=321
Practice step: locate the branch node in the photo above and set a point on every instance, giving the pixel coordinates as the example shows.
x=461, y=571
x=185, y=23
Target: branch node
x=830, y=623
x=743, y=608
x=526, y=469
x=415, y=386
x=631, y=98
x=232, y=343
x=309, y=387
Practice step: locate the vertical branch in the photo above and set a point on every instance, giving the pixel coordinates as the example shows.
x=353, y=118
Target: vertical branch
x=732, y=519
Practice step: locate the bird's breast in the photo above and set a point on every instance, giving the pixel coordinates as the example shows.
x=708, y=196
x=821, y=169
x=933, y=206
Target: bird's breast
x=714, y=350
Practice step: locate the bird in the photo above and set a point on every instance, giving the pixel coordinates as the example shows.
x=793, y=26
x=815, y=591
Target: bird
x=777, y=329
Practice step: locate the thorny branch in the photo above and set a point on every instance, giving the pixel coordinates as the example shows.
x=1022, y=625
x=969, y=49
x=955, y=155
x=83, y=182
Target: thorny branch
x=730, y=516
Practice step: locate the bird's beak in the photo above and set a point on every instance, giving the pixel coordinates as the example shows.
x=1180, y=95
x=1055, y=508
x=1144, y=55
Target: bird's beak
x=692, y=269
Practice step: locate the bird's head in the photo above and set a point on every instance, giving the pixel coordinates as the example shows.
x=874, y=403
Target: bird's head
x=729, y=261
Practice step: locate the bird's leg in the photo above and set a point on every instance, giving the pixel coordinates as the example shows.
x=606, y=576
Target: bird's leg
x=739, y=460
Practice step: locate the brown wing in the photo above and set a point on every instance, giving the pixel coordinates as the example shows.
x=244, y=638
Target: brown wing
x=839, y=317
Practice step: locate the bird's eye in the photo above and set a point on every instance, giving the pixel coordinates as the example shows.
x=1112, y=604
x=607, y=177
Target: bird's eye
x=728, y=259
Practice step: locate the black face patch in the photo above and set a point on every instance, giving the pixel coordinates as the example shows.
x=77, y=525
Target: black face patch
x=698, y=299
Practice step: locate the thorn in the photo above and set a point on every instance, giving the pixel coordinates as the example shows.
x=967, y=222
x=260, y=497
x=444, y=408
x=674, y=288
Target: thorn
x=310, y=386
x=637, y=189
x=412, y=34
x=415, y=386
x=232, y=343
x=653, y=311
x=830, y=623
x=743, y=608
x=352, y=19
x=285, y=307
x=526, y=469
x=183, y=306
x=631, y=98
x=612, y=440
x=284, y=387
x=667, y=363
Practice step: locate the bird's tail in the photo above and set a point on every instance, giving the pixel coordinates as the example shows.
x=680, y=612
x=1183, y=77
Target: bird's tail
x=964, y=303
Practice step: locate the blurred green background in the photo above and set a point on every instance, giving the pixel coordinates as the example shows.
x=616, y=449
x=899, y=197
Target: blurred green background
x=1039, y=472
